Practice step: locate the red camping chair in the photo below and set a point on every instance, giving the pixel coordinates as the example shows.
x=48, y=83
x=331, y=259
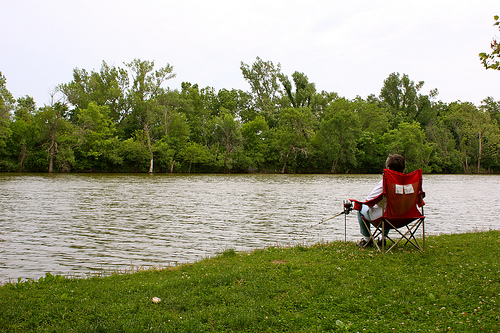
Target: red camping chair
x=403, y=209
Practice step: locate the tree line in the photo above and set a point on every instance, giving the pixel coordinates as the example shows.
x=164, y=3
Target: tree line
x=122, y=119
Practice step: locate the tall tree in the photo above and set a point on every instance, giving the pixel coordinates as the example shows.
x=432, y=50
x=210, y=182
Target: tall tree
x=409, y=140
x=57, y=133
x=255, y=142
x=304, y=90
x=238, y=102
x=197, y=111
x=445, y=157
x=146, y=86
x=492, y=107
x=228, y=135
x=24, y=132
x=338, y=133
x=263, y=77
x=294, y=133
x=106, y=87
x=174, y=127
x=98, y=145
x=374, y=121
x=6, y=105
x=478, y=137
x=401, y=95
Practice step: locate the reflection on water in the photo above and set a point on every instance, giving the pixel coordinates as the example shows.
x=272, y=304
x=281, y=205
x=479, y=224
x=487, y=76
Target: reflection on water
x=78, y=224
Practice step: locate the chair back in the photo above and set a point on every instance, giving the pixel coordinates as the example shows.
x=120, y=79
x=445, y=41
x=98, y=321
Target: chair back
x=404, y=196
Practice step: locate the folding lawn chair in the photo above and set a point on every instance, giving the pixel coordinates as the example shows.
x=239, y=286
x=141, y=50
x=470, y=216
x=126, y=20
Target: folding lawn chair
x=403, y=209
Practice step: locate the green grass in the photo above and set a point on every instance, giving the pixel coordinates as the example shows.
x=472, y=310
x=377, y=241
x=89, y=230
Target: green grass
x=452, y=286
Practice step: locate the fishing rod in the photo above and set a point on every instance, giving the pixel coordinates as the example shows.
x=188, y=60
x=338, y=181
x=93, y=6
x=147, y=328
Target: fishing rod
x=328, y=219
x=347, y=209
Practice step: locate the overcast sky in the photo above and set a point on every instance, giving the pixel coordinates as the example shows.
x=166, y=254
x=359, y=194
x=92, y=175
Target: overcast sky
x=348, y=47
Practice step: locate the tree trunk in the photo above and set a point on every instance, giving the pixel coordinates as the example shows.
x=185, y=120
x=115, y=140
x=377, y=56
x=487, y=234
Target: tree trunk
x=52, y=153
x=479, y=154
x=51, y=162
x=334, y=165
x=151, y=165
x=172, y=167
x=22, y=157
x=286, y=160
x=336, y=162
x=150, y=147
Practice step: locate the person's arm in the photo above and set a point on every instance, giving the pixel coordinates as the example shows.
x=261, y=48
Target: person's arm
x=376, y=191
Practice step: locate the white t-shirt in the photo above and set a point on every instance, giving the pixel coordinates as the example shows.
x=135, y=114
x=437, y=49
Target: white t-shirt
x=377, y=210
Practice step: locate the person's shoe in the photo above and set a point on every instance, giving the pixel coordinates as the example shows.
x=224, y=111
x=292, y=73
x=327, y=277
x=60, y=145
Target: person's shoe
x=364, y=243
x=379, y=242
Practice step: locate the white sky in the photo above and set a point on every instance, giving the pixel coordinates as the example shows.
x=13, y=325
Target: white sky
x=348, y=47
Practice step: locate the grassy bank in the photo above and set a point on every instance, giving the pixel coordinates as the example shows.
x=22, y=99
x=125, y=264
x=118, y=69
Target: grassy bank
x=453, y=286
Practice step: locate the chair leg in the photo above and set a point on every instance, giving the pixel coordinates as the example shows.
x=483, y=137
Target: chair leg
x=383, y=236
x=409, y=235
x=423, y=235
x=372, y=235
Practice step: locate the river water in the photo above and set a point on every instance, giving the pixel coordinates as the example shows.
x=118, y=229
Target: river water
x=81, y=224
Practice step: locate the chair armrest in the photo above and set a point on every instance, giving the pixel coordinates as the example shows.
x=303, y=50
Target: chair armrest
x=421, y=201
x=369, y=203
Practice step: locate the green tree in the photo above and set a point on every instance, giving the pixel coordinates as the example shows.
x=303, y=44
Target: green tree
x=174, y=128
x=104, y=88
x=25, y=134
x=445, y=157
x=373, y=117
x=374, y=121
x=320, y=101
x=263, y=78
x=57, y=135
x=476, y=133
x=409, y=140
x=255, y=142
x=134, y=152
x=146, y=87
x=197, y=111
x=304, y=90
x=294, y=133
x=492, y=60
x=339, y=130
x=492, y=107
x=98, y=146
x=401, y=96
x=6, y=106
x=228, y=135
x=237, y=102
x=195, y=153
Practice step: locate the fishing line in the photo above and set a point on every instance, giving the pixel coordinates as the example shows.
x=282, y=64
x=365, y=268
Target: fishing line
x=347, y=209
x=328, y=219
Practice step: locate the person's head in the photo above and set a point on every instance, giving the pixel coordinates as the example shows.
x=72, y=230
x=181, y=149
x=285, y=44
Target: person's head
x=395, y=162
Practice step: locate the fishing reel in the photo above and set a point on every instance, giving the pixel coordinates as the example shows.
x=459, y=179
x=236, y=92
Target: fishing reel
x=348, y=206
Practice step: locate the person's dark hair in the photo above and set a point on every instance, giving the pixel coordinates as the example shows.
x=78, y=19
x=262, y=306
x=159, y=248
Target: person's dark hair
x=395, y=162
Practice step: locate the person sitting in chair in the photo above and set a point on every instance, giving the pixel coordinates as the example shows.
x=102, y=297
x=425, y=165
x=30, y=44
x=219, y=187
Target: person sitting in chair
x=394, y=162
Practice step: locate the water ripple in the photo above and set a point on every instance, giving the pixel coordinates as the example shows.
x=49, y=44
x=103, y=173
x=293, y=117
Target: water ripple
x=79, y=224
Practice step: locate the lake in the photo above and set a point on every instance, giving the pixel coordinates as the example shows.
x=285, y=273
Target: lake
x=81, y=224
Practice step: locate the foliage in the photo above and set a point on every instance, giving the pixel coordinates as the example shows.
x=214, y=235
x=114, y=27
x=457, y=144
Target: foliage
x=408, y=139
x=294, y=131
x=492, y=60
x=6, y=102
x=338, y=134
x=122, y=119
x=334, y=287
